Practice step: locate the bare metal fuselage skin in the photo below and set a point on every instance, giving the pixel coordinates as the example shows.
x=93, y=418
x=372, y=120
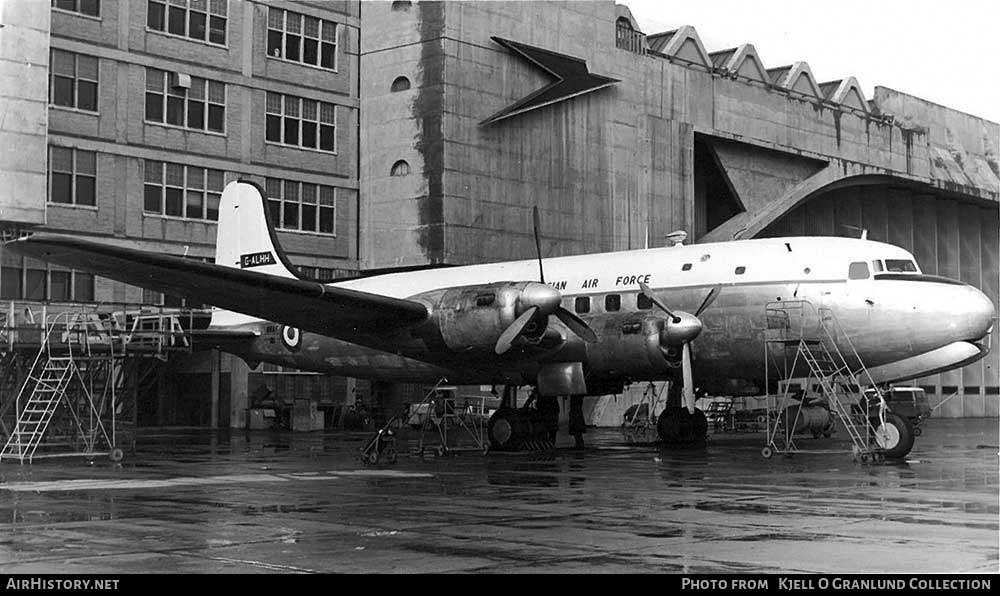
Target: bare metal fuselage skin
x=886, y=318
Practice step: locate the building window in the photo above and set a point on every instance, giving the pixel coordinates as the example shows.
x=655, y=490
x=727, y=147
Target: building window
x=21, y=283
x=302, y=206
x=301, y=122
x=400, y=84
x=204, y=20
x=73, y=80
x=400, y=168
x=177, y=190
x=320, y=274
x=180, y=100
x=90, y=8
x=299, y=38
x=72, y=176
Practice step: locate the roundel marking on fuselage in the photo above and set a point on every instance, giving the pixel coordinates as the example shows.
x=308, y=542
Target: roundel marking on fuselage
x=291, y=337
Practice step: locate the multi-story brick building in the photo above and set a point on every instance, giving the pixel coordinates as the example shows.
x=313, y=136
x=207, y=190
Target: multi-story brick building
x=135, y=113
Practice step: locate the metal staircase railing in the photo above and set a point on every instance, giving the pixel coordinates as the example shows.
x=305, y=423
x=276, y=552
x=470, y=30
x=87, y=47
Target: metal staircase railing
x=46, y=387
x=826, y=353
x=47, y=379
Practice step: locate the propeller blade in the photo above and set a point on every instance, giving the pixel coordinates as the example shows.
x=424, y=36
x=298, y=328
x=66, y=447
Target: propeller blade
x=576, y=325
x=648, y=292
x=688, y=389
x=708, y=300
x=514, y=331
x=538, y=243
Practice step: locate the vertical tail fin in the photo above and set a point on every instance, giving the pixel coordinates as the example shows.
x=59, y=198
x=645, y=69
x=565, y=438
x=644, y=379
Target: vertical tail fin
x=246, y=238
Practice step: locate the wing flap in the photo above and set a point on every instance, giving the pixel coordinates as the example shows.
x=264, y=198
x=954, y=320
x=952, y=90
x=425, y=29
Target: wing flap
x=312, y=306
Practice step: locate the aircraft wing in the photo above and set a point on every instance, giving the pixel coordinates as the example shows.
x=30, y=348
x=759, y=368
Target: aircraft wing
x=312, y=306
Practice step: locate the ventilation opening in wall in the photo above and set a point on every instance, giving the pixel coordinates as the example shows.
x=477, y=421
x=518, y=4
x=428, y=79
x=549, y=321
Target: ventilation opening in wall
x=400, y=168
x=400, y=84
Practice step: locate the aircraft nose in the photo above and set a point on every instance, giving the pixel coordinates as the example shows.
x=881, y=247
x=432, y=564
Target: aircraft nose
x=980, y=311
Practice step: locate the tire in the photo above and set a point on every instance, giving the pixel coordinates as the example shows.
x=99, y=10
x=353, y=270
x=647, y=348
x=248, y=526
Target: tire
x=502, y=430
x=372, y=457
x=678, y=426
x=767, y=452
x=116, y=455
x=895, y=438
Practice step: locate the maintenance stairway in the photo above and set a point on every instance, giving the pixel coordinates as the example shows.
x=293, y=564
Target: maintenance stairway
x=821, y=380
x=75, y=376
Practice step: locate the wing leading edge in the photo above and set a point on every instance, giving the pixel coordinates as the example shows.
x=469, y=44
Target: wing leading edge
x=308, y=305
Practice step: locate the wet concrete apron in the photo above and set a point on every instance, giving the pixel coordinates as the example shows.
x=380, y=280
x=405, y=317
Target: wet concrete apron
x=197, y=502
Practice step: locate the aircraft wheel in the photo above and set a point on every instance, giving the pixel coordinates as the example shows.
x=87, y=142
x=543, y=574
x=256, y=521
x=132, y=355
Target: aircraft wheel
x=502, y=430
x=440, y=451
x=372, y=457
x=116, y=455
x=677, y=425
x=767, y=452
x=895, y=436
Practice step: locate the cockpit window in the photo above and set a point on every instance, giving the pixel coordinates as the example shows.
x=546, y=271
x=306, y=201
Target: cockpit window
x=858, y=271
x=877, y=266
x=900, y=266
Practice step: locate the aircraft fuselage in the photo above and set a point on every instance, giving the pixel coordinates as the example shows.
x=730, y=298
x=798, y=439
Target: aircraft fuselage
x=883, y=306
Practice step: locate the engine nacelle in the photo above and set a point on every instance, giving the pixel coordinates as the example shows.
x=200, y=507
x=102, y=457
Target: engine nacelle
x=472, y=318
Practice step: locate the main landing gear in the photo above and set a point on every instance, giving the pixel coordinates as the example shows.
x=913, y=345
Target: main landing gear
x=531, y=427
x=678, y=426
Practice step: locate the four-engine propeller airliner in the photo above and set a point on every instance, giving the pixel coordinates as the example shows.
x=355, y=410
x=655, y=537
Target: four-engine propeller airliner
x=587, y=326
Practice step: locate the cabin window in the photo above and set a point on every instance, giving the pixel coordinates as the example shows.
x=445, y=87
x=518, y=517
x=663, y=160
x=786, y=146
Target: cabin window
x=686, y=267
x=900, y=266
x=858, y=271
x=741, y=270
x=877, y=266
x=485, y=300
x=582, y=304
x=612, y=303
x=642, y=302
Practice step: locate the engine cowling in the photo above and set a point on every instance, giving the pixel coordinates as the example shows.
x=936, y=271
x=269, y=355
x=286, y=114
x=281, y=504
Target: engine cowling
x=472, y=318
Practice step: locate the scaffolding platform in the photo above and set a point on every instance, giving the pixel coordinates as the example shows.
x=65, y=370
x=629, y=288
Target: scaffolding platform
x=821, y=381
x=67, y=377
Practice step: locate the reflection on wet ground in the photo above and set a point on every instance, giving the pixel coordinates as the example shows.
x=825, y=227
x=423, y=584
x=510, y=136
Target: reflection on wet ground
x=199, y=502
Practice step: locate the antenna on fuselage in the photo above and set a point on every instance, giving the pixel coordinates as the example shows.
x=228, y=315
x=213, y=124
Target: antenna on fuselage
x=864, y=231
x=676, y=238
x=538, y=243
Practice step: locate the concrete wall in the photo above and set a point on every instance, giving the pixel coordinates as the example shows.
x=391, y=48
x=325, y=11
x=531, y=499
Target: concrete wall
x=607, y=169
x=24, y=92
